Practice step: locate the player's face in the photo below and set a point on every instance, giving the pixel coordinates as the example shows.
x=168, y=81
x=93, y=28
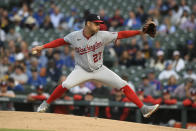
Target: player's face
x=94, y=27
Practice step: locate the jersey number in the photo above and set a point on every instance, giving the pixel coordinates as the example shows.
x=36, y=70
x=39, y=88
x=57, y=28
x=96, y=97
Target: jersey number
x=97, y=57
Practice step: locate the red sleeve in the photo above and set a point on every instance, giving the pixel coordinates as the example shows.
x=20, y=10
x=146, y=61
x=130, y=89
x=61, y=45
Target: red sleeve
x=126, y=34
x=55, y=43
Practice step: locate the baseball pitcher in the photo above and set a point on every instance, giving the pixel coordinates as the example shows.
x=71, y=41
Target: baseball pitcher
x=89, y=44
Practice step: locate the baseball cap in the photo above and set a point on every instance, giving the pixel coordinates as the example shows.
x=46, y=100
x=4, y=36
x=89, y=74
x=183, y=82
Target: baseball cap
x=3, y=84
x=193, y=92
x=40, y=87
x=94, y=18
x=165, y=91
x=167, y=64
x=140, y=90
x=176, y=52
x=160, y=53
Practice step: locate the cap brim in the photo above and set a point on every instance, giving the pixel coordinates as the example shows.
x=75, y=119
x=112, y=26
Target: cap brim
x=98, y=21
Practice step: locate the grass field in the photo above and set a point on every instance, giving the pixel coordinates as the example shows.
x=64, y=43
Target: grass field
x=3, y=129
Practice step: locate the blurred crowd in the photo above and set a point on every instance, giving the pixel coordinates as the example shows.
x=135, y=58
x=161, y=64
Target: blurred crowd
x=20, y=70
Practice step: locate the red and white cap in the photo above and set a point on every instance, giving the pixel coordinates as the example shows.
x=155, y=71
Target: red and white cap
x=94, y=18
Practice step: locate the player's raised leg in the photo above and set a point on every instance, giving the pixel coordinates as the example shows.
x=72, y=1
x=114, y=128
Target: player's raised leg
x=77, y=76
x=110, y=78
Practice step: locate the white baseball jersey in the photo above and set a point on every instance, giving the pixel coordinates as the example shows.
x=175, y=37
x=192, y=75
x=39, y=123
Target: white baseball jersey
x=89, y=52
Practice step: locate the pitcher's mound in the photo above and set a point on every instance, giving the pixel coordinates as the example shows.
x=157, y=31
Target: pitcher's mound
x=58, y=122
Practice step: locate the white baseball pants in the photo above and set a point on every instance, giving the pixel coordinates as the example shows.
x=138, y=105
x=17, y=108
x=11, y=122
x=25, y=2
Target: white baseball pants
x=103, y=75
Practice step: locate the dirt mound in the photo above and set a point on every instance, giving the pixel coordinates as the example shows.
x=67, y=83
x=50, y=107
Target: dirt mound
x=58, y=122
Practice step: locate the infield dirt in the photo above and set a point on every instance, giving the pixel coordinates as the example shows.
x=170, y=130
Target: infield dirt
x=58, y=122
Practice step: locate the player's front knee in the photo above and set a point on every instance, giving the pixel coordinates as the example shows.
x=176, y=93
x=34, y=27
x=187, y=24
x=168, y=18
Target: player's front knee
x=66, y=85
x=122, y=84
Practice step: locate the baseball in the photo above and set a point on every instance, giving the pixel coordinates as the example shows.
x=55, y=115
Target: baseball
x=34, y=52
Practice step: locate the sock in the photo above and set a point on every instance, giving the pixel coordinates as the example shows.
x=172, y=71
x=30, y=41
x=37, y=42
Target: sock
x=130, y=94
x=58, y=92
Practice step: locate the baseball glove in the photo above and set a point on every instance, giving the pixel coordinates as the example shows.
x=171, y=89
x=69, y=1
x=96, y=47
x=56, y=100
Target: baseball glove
x=150, y=28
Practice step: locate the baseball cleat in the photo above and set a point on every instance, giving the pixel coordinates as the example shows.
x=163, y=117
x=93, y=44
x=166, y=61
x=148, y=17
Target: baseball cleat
x=147, y=111
x=43, y=107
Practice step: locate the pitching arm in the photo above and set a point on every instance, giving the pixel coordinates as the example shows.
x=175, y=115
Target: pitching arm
x=52, y=44
x=55, y=43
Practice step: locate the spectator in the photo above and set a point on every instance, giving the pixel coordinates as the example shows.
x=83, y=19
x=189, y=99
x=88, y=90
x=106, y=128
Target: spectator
x=132, y=22
x=47, y=24
x=189, y=24
x=119, y=48
x=133, y=47
x=4, y=92
x=176, y=14
x=65, y=53
x=19, y=75
x=12, y=35
x=183, y=90
x=189, y=73
x=141, y=15
x=2, y=37
x=90, y=85
x=4, y=66
x=104, y=17
x=14, y=87
x=100, y=91
x=117, y=113
x=149, y=90
x=154, y=81
x=184, y=18
x=166, y=27
x=184, y=6
x=39, y=95
x=81, y=90
x=58, y=61
x=4, y=24
x=139, y=59
x=117, y=20
x=167, y=98
x=147, y=51
x=24, y=12
x=71, y=20
x=125, y=59
x=30, y=21
x=194, y=9
x=39, y=16
x=191, y=100
x=35, y=79
x=69, y=60
x=148, y=98
x=56, y=17
x=178, y=63
x=53, y=73
x=168, y=72
x=189, y=52
x=172, y=84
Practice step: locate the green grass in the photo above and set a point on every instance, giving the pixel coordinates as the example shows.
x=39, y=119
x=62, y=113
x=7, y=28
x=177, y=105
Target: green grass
x=2, y=129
